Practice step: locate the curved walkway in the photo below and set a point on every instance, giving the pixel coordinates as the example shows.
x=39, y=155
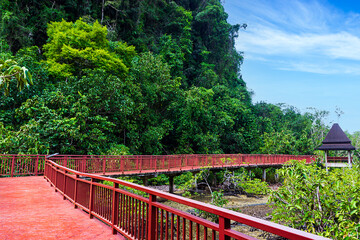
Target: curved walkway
x=30, y=209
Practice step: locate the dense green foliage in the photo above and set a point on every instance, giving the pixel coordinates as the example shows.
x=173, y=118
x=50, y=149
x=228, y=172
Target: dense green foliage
x=74, y=47
x=136, y=77
x=238, y=182
x=326, y=203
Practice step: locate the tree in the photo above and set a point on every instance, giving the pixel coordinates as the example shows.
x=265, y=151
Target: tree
x=181, y=91
x=74, y=47
x=9, y=70
x=23, y=23
x=194, y=121
x=156, y=92
x=319, y=128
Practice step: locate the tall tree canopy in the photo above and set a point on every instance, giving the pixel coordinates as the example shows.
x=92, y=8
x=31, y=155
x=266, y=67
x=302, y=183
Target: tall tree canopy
x=135, y=77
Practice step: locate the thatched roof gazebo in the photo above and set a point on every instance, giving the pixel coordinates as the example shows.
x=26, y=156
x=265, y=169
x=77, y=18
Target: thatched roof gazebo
x=336, y=139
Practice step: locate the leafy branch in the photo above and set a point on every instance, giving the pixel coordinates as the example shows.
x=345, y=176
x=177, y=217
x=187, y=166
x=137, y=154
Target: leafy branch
x=9, y=69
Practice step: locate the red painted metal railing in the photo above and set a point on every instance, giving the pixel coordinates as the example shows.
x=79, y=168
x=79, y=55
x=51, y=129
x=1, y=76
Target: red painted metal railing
x=141, y=216
x=338, y=159
x=131, y=164
x=20, y=165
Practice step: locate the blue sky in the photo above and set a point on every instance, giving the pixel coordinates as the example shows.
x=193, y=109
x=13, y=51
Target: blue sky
x=302, y=53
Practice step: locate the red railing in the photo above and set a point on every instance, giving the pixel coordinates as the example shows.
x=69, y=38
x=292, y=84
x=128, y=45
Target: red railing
x=129, y=164
x=139, y=215
x=20, y=165
x=338, y=159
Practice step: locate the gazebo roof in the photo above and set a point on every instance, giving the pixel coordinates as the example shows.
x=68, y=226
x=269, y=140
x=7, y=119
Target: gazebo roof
x=336, y=139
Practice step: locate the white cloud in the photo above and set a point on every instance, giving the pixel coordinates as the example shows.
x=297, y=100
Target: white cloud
x=288, y=40
x=306, y=35
x=295, y=15
x=320, y=67
x=267, y=41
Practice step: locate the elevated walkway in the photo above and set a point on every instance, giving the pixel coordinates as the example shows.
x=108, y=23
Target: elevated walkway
x=20, y=165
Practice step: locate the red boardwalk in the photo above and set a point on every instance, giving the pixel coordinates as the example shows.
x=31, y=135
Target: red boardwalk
x=18, y=165
x=31, y=209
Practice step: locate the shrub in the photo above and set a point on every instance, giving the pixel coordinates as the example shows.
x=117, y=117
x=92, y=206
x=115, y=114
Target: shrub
x=325, y=203
x=160, y=179
x=183, y=178
x=239, y=181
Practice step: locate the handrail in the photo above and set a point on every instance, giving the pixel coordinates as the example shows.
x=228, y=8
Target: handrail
x=138, y=217
x=21, y=164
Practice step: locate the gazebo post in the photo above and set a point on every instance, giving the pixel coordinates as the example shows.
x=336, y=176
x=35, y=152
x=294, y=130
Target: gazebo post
x=349, y=159
x=326, y=163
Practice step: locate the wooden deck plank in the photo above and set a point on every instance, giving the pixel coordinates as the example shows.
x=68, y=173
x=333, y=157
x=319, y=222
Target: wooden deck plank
x=31, y=209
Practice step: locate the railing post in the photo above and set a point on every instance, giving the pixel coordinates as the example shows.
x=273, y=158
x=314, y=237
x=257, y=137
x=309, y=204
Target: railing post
x=122, y=164
x=224, y=223
x=91, y=198
x=65, y=161
x=36, y=165
x=104, y=165
x=115, y=208
x=75, y=190
x=51, y=174
x=126, y=162
x=152, y=218
x=83, y=168
x=169, y=162
x=64, y=185
x=12, y=166
x=150, y=161
x=141, y=161
x=155, y=163
x=56, y=174
x=137, y=162
x=45, y=171
x=163, y=162
x=48, y=171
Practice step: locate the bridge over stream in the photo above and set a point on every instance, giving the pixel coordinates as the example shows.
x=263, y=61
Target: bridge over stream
x=20, y=165
x=132, y=210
